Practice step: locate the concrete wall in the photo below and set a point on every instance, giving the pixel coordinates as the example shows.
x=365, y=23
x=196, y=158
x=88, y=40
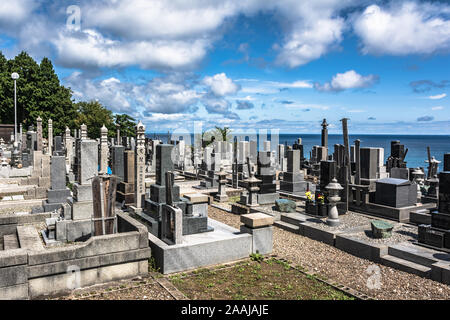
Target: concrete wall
x=28, y=274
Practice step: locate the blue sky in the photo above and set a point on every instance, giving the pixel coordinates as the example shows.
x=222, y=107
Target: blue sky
x=247, y=64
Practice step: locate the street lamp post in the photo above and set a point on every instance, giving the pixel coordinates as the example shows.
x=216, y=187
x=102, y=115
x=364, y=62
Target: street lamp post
x=15, y=76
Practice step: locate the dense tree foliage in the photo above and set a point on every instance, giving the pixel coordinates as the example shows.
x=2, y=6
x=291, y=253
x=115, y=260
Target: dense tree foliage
x=127, y=125
x=94, y=115
x=40, y=93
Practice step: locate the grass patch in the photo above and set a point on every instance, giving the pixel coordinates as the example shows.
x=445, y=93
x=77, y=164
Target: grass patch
x=255, y=279
x=234, y=199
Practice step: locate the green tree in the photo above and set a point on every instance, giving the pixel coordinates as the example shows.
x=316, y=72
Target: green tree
x=224, y=132
x=127, y=125
x=39, y=93
x=94, y=115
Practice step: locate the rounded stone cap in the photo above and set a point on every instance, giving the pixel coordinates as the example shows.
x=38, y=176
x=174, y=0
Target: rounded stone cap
x=104, y=129
x=334, y=185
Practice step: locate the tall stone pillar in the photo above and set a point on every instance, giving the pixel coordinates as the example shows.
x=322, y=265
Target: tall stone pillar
x=118, y=142
x=324, y=133
x=104, y=150
x=140, y=164
x=68, y=144
x=50, y=136
x=357, y=161
x=39, y=134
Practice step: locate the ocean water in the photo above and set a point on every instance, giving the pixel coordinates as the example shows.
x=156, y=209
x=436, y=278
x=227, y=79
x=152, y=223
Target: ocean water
x=416, y=144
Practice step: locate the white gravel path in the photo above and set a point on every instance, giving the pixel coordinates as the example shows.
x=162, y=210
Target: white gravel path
x=344, y=268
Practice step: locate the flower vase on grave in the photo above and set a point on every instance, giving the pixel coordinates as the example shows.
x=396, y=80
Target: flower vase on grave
x=321, y=206
x=322, y=209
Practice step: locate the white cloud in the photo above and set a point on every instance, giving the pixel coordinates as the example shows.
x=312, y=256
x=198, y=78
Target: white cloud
x=90, y=49
x=437, y=108
x=271, y=87
x=13, y=13
x=310, y=41
x=300, y=84
x=438, y=97
x=347, y=80
x=161, y=34
x=406, y=28
x=111, y=92
x=158, y=18
x=220, y=85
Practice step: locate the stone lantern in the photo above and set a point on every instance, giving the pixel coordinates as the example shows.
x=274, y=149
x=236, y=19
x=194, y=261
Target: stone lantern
x=418, y=176
x=333, y=189
x=252, y=187
x=434, y=187
x=222, y=179
x=16, y=156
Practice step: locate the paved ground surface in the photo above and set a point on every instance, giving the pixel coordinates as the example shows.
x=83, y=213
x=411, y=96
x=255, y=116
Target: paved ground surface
x=344, y=268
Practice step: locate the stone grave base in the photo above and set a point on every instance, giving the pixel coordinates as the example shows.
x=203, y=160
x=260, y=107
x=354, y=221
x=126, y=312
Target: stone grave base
x=68, y=230
x=224, y=244
x=81, y=210
x=396, y=214
x=267, y=198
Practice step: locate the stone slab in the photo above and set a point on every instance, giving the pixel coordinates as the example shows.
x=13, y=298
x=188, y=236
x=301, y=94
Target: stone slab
x=257, y=220
x=196, y=197
x=360, y=248
x=29, y=238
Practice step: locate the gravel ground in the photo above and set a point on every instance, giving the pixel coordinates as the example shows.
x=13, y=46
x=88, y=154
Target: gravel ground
x=349, y=221
x=400, y=233
x=344, y=268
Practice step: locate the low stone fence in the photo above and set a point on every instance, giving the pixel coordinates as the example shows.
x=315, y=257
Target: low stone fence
x=31, y=272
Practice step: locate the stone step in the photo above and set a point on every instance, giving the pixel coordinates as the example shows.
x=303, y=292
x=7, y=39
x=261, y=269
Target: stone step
x=287, y=226
x=294, y=219
x=417, y=254
x=407, y=266
x=10, y=242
